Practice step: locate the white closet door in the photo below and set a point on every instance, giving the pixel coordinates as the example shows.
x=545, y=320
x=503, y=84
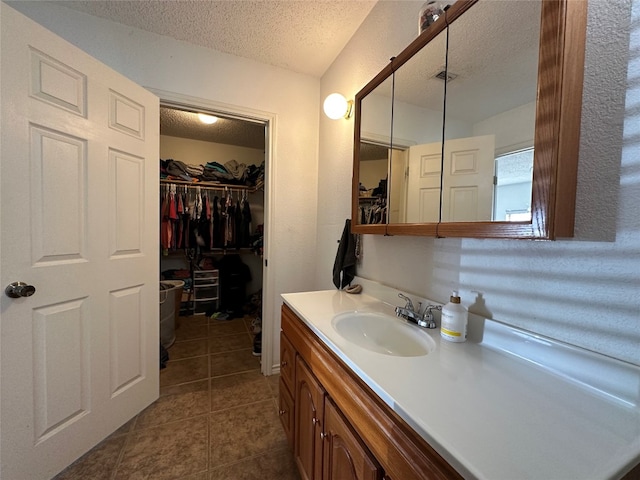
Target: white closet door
x=79, y=211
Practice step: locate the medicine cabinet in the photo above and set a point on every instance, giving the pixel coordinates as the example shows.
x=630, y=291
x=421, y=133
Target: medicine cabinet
x=473, y=129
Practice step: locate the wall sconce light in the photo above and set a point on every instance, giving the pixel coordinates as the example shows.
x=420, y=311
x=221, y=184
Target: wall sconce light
x=336, y=106
x=208, y=119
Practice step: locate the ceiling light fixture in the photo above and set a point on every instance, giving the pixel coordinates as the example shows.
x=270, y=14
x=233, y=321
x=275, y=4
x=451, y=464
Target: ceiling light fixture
x=336, y=106
x=208, y=119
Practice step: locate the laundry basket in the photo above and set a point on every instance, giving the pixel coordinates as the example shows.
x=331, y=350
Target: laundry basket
x=170, y=297
x=177, y=287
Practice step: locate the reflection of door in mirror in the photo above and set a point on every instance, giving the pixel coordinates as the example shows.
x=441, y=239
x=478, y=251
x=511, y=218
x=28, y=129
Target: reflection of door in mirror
x=423, y=190
x=467, y=179
x=398, y=187
x=418, y=104
x=491, y=91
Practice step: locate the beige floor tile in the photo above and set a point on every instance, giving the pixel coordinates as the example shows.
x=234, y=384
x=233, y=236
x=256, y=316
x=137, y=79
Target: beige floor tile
x=175, y=403
x=126, y=428
x=228, y=343
x=243, y=432
x=191, y=331
x=216, y=417
x=233, y=362
x=198, y=476
x=183, y=371
x=168, y=452
x=226, y=327
x=188, y=349
x=278, y=465
x=98, y=464
x=274, y=384
x=195, y=320
x=238, y=389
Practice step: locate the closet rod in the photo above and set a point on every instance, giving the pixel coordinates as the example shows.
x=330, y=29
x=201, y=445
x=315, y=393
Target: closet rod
x=209, y=186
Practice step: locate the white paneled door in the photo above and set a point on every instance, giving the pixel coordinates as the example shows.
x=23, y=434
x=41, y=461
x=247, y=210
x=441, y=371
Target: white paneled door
x=468, y=179
x=423, y=191
x=79, y=223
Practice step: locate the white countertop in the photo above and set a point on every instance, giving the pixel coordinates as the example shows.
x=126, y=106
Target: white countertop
x=489, y=412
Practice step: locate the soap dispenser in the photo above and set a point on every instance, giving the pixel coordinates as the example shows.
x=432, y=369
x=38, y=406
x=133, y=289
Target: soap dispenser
x=454, y=320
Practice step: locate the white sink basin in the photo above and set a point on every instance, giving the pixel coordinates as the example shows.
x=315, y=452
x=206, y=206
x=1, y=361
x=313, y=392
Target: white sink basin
x=382, y=333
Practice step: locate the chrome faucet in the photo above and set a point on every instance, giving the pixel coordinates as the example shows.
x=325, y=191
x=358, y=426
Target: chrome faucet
x=424, y=319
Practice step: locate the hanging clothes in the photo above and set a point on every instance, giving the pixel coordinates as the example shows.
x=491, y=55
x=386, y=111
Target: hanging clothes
x=165, y=225
x=246, y=224
x=215, y=221
x=193, y=218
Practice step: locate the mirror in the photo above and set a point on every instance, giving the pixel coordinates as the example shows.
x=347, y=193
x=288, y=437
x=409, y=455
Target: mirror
x=511, y=131
x=373, y=156
x=487, y=171
x=418, y=116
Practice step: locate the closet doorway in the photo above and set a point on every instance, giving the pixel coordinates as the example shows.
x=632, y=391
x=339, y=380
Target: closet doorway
x=223, y=161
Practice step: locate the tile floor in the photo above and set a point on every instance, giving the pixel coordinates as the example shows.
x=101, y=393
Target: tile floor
x=216, y=417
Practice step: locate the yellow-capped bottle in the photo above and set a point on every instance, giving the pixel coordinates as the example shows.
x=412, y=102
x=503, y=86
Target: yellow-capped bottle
x=454, y=320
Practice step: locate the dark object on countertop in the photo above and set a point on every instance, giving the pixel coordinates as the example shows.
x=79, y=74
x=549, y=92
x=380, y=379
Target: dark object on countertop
x=345, y=263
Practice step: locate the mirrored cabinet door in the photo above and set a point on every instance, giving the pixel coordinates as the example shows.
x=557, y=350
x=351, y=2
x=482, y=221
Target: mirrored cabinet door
x=487, y=169
x=373, y=153
x=418, y=116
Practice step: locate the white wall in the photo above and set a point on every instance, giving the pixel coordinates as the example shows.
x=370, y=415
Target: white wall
x=584, y=291
x=165, y=64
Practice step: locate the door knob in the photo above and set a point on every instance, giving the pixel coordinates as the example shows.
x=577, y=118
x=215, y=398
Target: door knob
x=19, y=289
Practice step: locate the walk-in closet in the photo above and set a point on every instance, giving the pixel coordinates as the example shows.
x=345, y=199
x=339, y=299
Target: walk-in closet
x=212, y=174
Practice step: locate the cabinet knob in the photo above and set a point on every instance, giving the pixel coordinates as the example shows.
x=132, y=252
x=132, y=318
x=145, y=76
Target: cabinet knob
x=283, y=363
x=281, y=412
x=324, y=436
x=314, y=420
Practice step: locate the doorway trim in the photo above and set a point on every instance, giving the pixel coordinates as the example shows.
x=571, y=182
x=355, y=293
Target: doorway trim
x=173, y=99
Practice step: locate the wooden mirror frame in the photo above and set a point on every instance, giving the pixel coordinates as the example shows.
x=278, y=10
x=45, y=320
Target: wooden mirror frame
x=557, y=129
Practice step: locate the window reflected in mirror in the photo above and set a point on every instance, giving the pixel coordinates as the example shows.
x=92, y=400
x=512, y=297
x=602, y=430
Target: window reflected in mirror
x=513, y=187
x=491, y=113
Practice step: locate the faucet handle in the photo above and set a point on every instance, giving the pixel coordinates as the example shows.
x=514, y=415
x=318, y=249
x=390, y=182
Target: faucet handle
x=409, y=303
x=427, y=310
x=427, y=317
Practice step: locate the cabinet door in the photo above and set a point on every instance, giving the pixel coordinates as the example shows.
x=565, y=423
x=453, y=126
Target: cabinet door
x=345, y=457
x=309, y=411
x=286, y=412
x=287, y=363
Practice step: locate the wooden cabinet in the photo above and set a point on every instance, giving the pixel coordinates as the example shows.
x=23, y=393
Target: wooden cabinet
x=345, y=457
x=309, y=418
x=343, y=430
x=325, y=447
x=286, y=412
x=287, y=364
x=286, y=406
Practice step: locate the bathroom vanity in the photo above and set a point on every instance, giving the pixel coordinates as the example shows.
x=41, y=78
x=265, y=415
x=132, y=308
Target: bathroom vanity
x=505, y=404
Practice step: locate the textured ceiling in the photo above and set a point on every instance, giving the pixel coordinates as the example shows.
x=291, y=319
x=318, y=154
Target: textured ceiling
x=495, y=63
x=185, y=124
x=301, y=35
